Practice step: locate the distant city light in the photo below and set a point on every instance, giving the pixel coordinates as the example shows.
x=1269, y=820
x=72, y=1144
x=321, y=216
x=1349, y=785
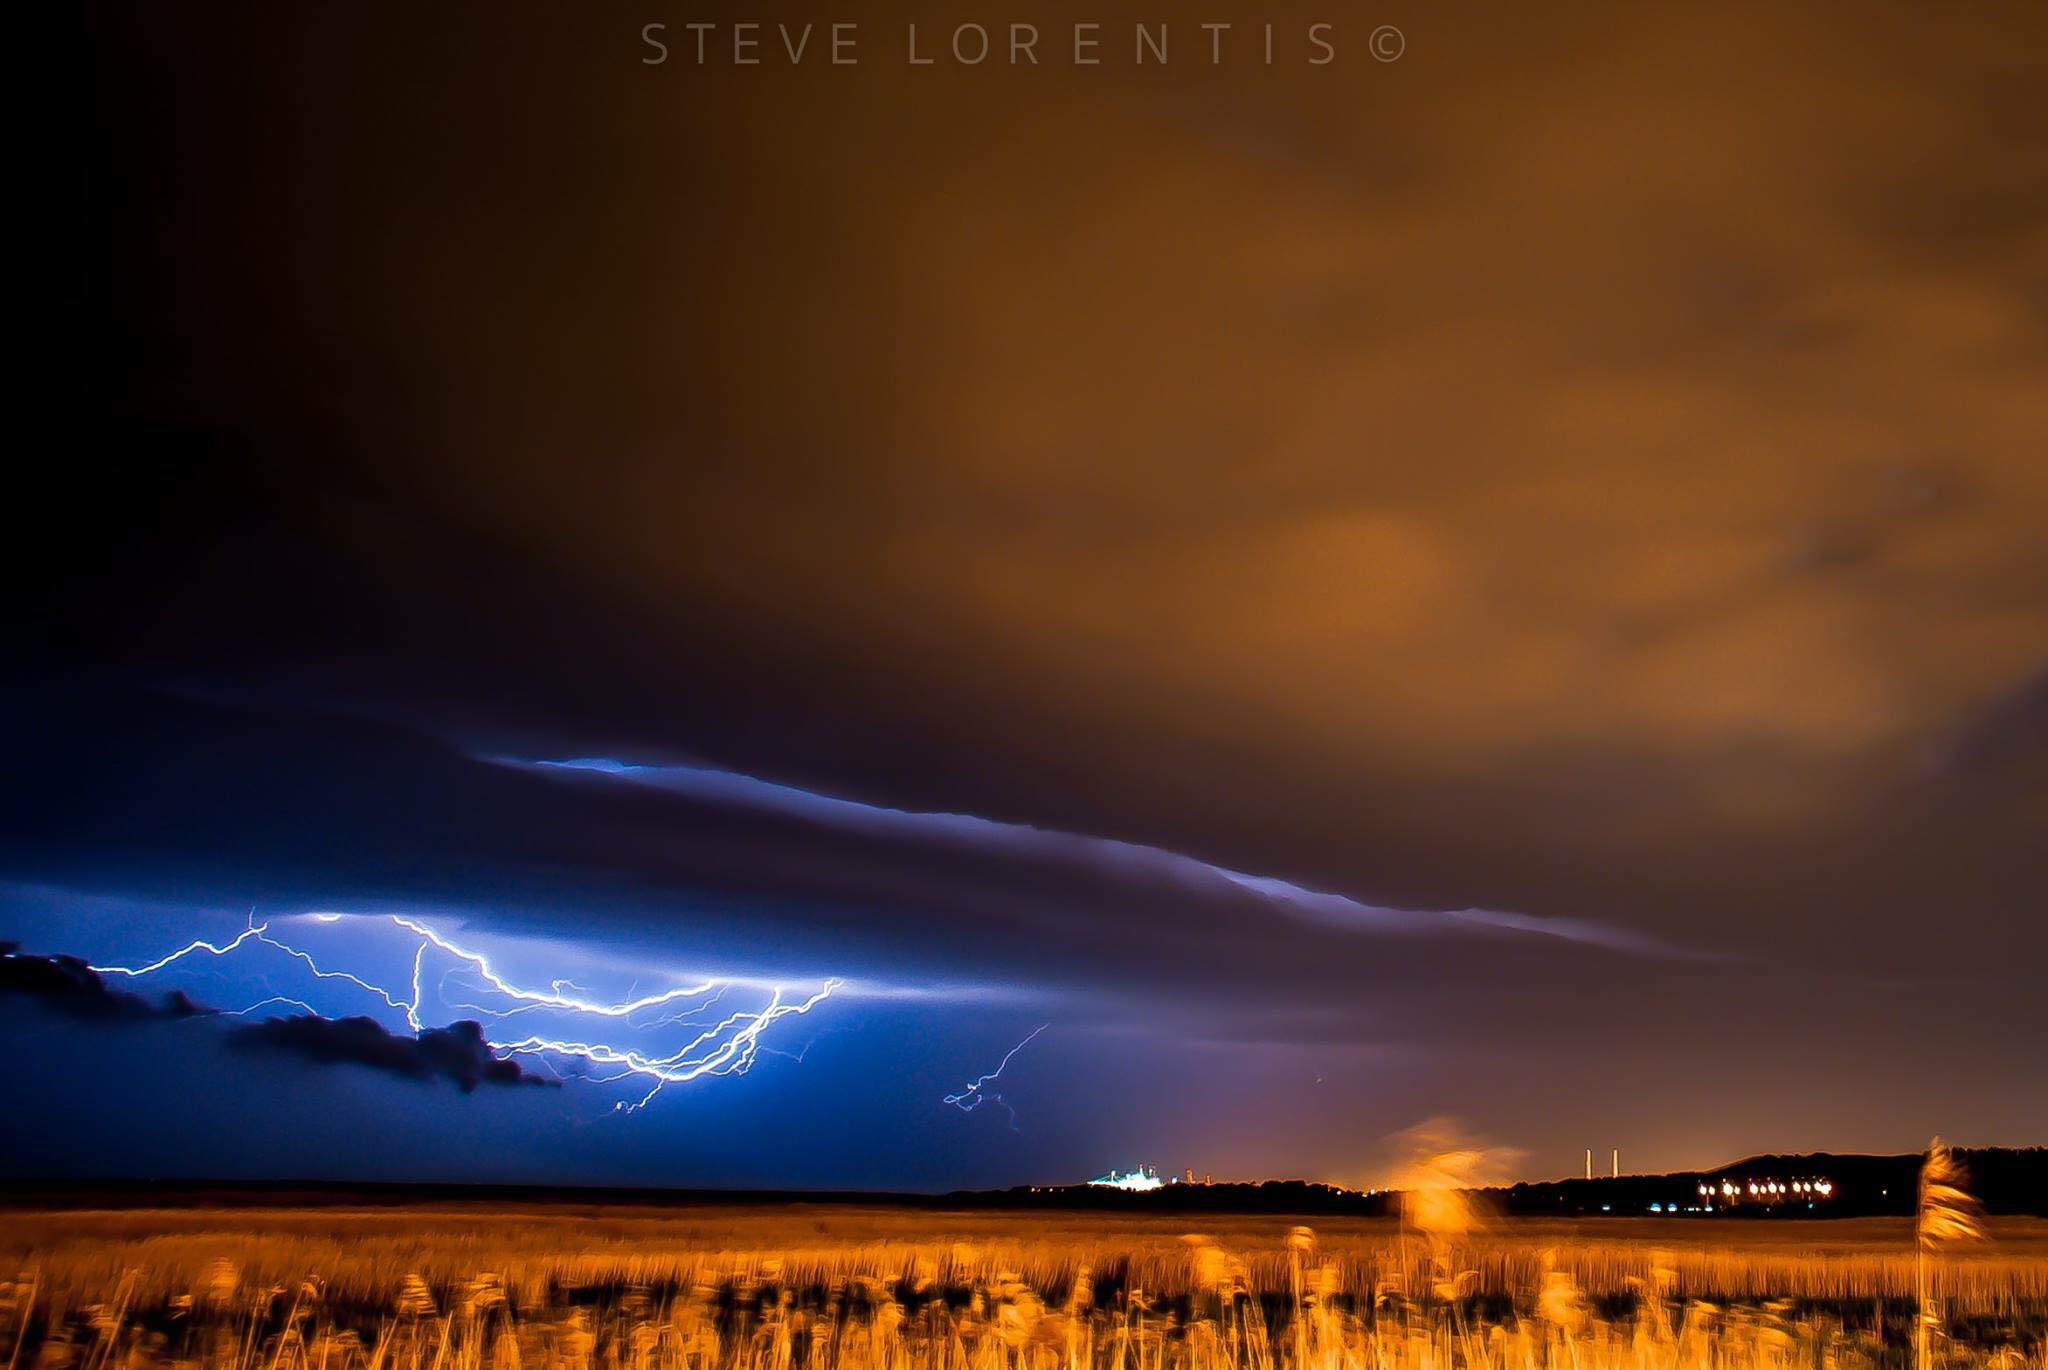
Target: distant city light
x=1136, y=1179
x=1767, y=1191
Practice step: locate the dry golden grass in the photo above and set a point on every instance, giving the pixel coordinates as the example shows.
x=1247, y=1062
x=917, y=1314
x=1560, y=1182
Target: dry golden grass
x=455, y=1288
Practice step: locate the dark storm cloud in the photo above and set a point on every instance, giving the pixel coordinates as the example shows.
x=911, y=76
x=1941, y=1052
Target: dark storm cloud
x=68, y=986
x=457, y=1053
x=1582, y=470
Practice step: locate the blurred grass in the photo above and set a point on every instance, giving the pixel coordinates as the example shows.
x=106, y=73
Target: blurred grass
x=456, y=1288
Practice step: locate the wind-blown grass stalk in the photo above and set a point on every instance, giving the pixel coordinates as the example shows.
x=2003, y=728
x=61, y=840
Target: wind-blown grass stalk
x=1945, y=1215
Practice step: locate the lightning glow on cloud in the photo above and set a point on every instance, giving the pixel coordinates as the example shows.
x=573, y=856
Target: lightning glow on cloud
x=1130, y=860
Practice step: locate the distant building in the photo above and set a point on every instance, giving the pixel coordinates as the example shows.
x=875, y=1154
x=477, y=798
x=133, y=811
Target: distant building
x=1141, y=1178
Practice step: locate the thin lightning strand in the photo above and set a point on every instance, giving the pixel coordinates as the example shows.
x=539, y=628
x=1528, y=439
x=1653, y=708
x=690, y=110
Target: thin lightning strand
x=687, y=1015
x=553, y=999
x=728, y=1047
x=253, y=930
x=320, y=974
x=973, y=1097
x=412, y=1010
x=273, y=999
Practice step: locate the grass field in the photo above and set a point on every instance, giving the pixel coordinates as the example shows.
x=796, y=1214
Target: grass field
x=461, y=1288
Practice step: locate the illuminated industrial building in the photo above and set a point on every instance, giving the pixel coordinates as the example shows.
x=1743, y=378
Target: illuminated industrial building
x=1140, y=1178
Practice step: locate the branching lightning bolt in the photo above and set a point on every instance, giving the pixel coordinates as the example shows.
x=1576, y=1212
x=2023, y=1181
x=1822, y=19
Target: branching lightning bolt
x=546, y=999
x=978, y=1093
x=728, y=1047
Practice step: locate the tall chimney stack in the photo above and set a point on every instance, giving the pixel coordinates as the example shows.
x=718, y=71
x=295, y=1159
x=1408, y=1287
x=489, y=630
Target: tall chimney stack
x=1589, y=1162
x=1617, y=1163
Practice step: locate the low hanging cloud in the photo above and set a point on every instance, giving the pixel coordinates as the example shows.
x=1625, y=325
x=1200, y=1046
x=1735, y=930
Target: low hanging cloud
x=1053, y=848
x=458, y=1052
x=67, y=985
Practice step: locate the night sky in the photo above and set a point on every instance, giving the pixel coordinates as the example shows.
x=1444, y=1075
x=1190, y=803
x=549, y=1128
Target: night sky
x=1508, y=584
